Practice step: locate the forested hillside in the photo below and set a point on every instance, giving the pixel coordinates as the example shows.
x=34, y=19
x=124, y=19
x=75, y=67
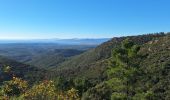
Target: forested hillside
x=94, y=61
x=53, y=58
x=10, y=68
x=125, y=68
x=28, y=52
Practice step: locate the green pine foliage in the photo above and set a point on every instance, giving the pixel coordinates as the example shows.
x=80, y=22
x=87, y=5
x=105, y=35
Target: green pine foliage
x=122, y=71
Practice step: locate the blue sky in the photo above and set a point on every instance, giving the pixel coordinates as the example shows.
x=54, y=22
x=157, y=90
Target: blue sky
x=24, y=19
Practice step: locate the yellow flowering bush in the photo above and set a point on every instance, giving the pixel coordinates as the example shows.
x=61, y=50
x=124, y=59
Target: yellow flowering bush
x=17, y=89
x=7, y=69
x=47, y=91
x=43, y=91
x=14, y=87
x=73, y=94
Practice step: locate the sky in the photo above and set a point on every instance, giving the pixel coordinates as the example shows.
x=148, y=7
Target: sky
x=45, y=19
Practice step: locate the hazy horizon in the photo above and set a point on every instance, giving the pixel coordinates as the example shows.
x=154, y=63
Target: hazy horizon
x=1, y=39
x=58, y=38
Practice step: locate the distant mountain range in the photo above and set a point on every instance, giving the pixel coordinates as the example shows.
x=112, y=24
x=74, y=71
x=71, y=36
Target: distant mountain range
x=75, y=41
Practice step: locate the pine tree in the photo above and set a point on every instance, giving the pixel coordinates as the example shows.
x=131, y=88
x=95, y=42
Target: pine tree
x=122, y=70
